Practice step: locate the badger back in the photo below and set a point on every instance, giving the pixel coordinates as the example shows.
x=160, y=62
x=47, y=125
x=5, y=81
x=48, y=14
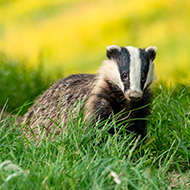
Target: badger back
x=56, y=103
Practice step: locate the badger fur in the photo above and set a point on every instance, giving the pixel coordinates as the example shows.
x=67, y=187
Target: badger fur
x=121, y=85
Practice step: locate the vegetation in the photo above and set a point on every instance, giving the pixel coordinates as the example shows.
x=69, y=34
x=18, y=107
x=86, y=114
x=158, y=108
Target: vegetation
x=74, y=33
x=21, y=84
x=90, y=158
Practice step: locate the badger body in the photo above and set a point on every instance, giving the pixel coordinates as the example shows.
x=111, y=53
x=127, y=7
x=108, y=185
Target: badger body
x=121, y=85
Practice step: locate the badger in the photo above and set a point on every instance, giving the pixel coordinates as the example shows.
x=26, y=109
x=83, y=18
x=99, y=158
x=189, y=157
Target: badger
x=123, y=84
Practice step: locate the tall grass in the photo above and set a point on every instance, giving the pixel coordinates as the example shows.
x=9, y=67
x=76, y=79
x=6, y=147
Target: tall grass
x=169, y=124
x=20, y=83
x=91, y=158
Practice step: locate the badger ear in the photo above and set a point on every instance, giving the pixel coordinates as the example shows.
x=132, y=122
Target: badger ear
x=151, y=52
x=113, y=51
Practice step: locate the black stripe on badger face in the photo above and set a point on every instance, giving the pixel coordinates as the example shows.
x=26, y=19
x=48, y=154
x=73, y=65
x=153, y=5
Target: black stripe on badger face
x=144, y=67
x=136, y=68
x=122, y=58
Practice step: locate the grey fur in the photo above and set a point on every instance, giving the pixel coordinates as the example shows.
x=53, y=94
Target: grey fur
x=57, y=101
x=102, y=94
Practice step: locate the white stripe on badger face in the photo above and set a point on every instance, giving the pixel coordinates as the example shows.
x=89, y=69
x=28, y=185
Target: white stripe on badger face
x=135, y=70
x=109, y=71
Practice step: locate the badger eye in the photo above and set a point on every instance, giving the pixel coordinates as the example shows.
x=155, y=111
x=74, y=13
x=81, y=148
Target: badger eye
x=125, y=76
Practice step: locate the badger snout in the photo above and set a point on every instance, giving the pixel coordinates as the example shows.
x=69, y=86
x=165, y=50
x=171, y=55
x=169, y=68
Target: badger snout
x=133, y=95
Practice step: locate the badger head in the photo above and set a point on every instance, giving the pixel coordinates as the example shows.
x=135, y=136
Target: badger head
x=131, y=69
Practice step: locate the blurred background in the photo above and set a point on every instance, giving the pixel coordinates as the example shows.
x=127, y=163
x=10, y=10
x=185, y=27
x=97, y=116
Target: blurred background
x=41, y=41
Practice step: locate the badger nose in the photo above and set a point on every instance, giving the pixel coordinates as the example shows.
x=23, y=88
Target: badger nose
x=134, y=95
x=134, y=99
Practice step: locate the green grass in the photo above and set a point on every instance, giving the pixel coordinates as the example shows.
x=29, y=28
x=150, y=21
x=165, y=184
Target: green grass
x=170, y=122
x=20, y=83
x=85, y=158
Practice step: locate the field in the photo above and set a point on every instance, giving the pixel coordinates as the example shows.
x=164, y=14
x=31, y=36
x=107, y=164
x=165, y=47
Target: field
x=42, y=41
x=73, y=34
x=78, y=159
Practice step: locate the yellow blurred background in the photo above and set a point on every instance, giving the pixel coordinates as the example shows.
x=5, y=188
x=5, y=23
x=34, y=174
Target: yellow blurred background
x=73, y=34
